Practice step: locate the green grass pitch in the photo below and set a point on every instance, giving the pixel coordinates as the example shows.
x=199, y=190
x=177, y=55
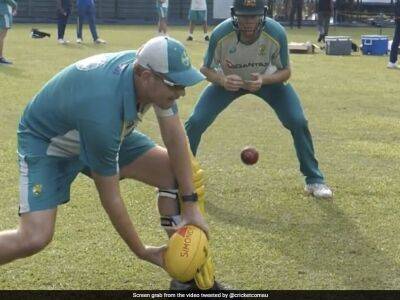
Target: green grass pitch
x=265, y=233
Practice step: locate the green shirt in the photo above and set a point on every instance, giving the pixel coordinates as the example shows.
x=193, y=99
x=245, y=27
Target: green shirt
x=228, y=55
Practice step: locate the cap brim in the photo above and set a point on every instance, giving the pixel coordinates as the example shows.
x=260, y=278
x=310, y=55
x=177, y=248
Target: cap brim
x=188, y=77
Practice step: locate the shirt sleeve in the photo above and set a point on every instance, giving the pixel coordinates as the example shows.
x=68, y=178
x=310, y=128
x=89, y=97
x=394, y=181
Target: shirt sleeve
x=283, y=54
x=212, y=57
x=100, y=144
x=163, y=113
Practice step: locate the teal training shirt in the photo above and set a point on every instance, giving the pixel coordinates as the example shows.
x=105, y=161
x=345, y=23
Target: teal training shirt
x=230, y=56
x=6, y=6
x=84, y=110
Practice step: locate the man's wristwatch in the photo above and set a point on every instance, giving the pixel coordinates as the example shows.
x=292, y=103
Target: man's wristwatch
x=190, y=198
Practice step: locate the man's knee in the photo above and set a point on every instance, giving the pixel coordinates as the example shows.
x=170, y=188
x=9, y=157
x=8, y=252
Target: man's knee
x=296, y=123
x=34, y=241
x=168, y=181
x=196, y=124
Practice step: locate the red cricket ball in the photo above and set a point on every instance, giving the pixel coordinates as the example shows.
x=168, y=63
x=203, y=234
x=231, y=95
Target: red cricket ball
x=249, y=155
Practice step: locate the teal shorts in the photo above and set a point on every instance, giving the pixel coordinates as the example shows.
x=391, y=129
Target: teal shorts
x=162, y=12
x=198, y=16
x=6, y=21
x=45, y=181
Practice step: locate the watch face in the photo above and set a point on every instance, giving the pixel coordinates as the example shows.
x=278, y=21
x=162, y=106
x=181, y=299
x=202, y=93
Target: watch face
x=189, y=198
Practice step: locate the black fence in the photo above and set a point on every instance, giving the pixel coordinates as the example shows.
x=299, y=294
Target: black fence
x=348, y=12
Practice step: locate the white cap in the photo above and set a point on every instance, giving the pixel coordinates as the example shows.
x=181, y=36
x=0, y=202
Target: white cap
x=168, y=56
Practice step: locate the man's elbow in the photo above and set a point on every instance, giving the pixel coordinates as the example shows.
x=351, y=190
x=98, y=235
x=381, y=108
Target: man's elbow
x=288, y=73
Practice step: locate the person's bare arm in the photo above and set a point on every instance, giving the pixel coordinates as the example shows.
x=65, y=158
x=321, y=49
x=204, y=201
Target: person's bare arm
x=175, y=140
x=108, y=188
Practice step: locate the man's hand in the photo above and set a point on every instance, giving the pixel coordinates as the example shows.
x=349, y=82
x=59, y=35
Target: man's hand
x=232, y=82
x=255, y=84
x=14, y=12
x=192, y=216
x=154, y=255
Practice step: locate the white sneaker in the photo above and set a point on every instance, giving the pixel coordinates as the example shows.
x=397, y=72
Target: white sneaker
x=79, y=41
x=393, y=66
x=318, y=190
x=100, y=41
x=62, y=41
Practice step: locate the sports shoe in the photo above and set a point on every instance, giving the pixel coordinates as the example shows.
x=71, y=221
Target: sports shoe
x=206, y=38
x=318, y=190
x=79, y=41
x=220, y=287
x=176, y=285
x=393, y=66
x=189, y=38
x=5, y=61
x=100, y=41
x=62, y=41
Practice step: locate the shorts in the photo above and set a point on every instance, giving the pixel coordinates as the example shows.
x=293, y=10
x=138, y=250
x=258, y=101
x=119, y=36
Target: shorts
x=45, y=181
x=162, y=12
x=6, y=21
x=198, y=16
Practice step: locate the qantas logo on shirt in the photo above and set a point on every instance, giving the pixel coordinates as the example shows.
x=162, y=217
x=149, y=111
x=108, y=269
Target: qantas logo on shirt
x=231, y=65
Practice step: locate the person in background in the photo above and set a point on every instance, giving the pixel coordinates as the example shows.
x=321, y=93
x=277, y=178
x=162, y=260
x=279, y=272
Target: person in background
x=394, y=51
x=8, y=9
x=248, y=54
x=297, y=8
x=87, y=9
x=198, y=14
x=63, y=13
x=324, y=13
x=162, y=10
